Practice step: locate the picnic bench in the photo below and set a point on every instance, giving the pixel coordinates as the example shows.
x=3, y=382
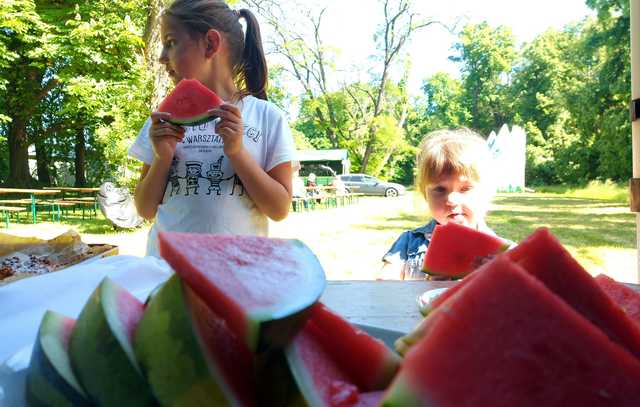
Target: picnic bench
x=33, y=201
x=327, y=197
x=8, y=210
x=73, y=197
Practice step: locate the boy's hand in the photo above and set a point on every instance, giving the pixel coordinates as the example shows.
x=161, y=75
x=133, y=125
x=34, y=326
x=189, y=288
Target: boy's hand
x=164, y=136
x=229, y=127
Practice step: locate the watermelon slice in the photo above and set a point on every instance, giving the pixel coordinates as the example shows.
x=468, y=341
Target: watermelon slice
x=189, y=103
x=101, y=348
x=625, y=297
x=334, y=363
x=50, y=380
x=455, y=250
x=544, y=257
x=507, y=340
x=262, y=287
x=188, y=355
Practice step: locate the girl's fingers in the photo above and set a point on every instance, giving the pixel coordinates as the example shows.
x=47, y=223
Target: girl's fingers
x=227, y=111
x=159, y=117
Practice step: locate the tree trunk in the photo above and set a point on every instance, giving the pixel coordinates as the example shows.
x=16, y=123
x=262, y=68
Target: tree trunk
x=79, y=161
x=43, y=159
x=19, y=175
x=152, y=50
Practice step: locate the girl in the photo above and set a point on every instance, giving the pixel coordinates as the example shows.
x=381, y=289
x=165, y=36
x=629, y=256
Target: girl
x=454, y=177
x=227, y=175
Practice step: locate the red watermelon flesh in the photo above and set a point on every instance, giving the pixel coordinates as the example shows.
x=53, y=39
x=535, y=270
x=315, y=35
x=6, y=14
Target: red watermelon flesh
x=234, y=359
x=262, y=287
x=189, y=102
x=506, y=340
x=334, y=363
x=454, y=250
x=367, y=360
x=626, y=298
x=319, y=374
x=544, y=257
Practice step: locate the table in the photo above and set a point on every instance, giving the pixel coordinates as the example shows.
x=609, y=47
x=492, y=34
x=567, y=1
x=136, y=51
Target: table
x=76, y=199
x=81, y=190
x=33, y=193
x=390, y=305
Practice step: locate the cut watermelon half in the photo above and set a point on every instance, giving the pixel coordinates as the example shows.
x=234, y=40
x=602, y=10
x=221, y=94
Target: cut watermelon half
x=50, y=376
x=506, y=340
x=262, y=287
x=334, y=363
x=625, y=297
x=542, y=255
x=454, y=250
x=189, y=103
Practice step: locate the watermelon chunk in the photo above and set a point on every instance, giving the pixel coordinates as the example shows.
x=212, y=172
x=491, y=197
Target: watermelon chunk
x=101, y=348
x=625, y=297
x=334, y=363
x=506, y=340
x=544, y=257
x=189, y=103
x=454, y=250
x=50, y=379
x=262, y=287
x=188, y=355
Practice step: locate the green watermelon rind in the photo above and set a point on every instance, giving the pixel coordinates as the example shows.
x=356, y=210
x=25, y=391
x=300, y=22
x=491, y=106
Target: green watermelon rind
x=170, y=355
x=192, y=121
x=50, y=379
x=400, y=394
x=97, y=353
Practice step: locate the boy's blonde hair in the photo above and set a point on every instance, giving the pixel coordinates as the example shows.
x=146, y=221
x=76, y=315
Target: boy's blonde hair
x=452, y=152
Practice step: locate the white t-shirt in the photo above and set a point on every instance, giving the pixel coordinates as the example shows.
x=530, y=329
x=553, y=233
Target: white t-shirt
x=203, y=193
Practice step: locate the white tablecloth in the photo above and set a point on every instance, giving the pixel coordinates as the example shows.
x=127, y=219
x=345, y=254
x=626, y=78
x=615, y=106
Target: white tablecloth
x=23, y=303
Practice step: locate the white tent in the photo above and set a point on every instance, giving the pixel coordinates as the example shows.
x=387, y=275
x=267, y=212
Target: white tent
x=508, y=151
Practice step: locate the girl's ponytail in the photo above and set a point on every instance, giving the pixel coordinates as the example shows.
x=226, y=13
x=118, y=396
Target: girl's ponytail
x=254, y=63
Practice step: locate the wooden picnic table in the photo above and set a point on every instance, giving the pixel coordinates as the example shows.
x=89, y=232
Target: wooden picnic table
x=81, y=190
x=33, y=194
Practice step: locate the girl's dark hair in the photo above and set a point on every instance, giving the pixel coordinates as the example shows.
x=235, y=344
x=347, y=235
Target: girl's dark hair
x=247, y=56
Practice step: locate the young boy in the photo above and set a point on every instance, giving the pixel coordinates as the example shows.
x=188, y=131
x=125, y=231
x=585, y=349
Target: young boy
x=454, y=176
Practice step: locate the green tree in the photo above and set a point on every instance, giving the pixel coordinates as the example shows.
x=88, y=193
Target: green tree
x=486, y=56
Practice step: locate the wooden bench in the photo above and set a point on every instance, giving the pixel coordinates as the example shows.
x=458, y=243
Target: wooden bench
x=8, y=210
x=89, y=203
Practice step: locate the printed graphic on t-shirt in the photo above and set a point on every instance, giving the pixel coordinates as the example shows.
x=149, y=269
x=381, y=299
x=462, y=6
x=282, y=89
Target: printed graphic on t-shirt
x=200, y=166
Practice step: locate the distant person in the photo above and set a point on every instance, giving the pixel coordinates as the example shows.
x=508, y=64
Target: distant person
x=312, y=185
x=248, y=149
x=454, y=177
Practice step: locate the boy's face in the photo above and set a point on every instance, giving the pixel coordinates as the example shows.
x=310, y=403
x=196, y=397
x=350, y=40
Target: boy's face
x=456, y=198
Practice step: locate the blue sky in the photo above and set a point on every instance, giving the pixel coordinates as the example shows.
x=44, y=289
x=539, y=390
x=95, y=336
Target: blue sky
x=349, y=26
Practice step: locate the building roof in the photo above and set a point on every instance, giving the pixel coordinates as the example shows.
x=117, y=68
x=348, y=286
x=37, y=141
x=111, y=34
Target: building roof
x=322, y=155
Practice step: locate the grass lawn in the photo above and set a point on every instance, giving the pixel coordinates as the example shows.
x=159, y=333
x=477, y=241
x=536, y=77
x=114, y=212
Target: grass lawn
x=350, y=241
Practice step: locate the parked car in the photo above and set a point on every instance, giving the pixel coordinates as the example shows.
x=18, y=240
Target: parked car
x=366, y=184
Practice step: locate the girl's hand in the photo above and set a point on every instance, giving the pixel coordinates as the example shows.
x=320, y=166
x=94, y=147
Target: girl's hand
x=229, y=127
x=164, y=136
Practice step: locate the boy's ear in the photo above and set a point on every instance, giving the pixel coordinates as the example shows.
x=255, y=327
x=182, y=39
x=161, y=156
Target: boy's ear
x=212, y=41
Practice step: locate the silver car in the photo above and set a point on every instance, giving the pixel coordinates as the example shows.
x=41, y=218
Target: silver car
x=368, y=185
